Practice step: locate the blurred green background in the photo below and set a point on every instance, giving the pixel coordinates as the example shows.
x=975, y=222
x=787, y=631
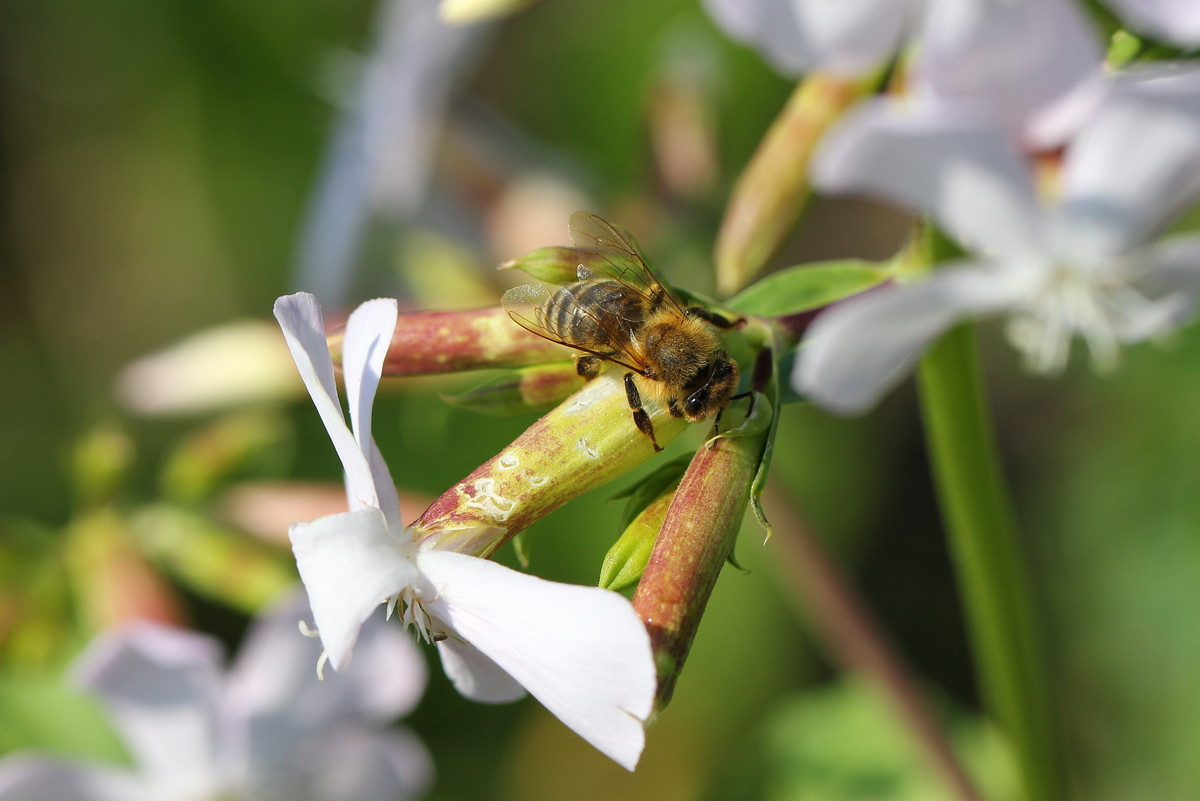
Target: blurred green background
x=158, y=159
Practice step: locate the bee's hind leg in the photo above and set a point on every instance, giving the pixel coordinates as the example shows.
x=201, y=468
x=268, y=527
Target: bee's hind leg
x=640, y=418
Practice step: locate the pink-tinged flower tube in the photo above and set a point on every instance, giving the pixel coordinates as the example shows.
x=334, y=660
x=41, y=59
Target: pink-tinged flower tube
x=586, y=441
x=582, y=651
x=695, y=540
x=267, y=728
x=450, y=341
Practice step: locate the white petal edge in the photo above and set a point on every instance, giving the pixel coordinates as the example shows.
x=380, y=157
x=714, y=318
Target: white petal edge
x=859, y=349
x=1175, y=21
x=30, y=777
x=349, y=563
x=274, y=668
x=476, y=676
x=1133, y=169
x=1172, y=282
x=940, y=161
x=299, y=316
x=967, y=56
x=581, y=651
x=369, y=331
x=161, y=686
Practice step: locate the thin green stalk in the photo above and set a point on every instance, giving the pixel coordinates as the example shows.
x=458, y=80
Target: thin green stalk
x=992, y=574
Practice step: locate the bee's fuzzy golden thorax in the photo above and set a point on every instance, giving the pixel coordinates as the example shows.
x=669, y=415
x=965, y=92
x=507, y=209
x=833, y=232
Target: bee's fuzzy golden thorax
x=677, y=350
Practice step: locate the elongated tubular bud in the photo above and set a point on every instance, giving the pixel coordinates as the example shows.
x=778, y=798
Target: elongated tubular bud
x=771, y=191
x=696, y=538
x=450, y=341
x=587, y=440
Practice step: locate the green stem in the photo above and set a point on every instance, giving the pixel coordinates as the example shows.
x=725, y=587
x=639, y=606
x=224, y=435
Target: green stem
x=992, y=574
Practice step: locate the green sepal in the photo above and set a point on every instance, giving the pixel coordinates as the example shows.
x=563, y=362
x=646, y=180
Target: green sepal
x=521, y=391
x=643, y=493
x=626, y=560
x=554, y=265
x=808, y=286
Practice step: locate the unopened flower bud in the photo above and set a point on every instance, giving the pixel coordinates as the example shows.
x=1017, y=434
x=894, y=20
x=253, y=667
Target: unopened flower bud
x=773, y=188
x=586, y=441
x=450, y=341
x=696, y=538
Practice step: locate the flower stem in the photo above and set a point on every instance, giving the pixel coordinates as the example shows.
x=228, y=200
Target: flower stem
x=992, y=574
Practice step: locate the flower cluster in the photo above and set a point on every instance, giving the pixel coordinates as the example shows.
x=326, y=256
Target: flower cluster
x=265, y=729
x=1053, y=174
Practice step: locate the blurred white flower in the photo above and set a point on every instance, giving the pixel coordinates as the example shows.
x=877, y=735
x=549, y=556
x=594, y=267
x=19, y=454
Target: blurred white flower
x=582, y=651
x=232, y=364
x=1173, y=21
x=1032, y=65
x=383, y=150
x=1083, y=262
x=267, y=730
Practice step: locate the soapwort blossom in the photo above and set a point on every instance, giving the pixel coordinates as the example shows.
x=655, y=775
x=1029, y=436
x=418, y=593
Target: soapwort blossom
x=1080, y=260
x=582, y=651
x=265, y=730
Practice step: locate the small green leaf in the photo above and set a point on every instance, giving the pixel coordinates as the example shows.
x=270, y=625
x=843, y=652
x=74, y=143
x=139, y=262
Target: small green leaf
x=626, y=560
x=644, y=492
x=808, y=286
x=554, y=265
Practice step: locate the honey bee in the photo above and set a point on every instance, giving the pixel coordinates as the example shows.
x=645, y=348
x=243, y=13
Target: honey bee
x=619, y=312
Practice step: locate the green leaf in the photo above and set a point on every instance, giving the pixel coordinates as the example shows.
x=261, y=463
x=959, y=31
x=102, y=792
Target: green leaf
x=808, y=286
x=626, y=560
x=844, y=743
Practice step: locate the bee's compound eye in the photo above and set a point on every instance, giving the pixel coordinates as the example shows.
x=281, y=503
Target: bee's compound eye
x=693, y=406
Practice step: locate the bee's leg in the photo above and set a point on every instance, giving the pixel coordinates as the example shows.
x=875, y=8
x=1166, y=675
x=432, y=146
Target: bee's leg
x=732, y=398
x=640, y=418
x=711, y=317
x=588, y=365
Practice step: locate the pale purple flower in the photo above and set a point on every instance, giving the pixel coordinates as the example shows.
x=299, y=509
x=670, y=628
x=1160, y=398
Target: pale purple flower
x=1173, y=21
x=266, y=730
x=382, y=152
x=582, y=651
x=1032, y=66
x=1083, y=261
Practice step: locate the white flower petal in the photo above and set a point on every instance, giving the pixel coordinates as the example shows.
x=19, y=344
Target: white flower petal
x=369, y=331
x=1174, y=21
x=857, y=350
x=1133, y=168
x=476, y=676
x=349, y=563
x=299, y=316
x=349, y=763
x=952, y=166
x=25, y=777
x=967, y=56
x=161, y=686
x=582, y=651
x=850, y=37
x=1172, y=283
x=274, y=681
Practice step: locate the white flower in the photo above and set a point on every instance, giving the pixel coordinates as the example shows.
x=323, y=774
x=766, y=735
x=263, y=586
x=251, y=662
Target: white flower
x=1080, y=263
x=582, y=651
x=1174, y=21
x=1033, y=66
x=267, y=730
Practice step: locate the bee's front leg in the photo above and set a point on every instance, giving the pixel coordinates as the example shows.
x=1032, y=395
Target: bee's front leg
x=640, y=418
x=712, y=318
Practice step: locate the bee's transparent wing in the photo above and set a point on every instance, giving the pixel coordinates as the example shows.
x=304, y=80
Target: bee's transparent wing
x=532, y=305
x=609, y=252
